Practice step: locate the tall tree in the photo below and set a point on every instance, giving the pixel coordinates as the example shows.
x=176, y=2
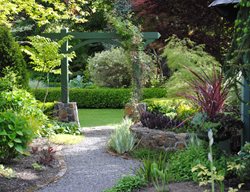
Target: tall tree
x=185, y=18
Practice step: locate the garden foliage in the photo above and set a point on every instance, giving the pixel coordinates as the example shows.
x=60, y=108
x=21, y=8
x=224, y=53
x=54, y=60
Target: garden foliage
x=98, y=98
x=122, y=140
x=209, y=92
x=171, y=107
x=180, y=53
x=15, y=134
x=112, y=68
x=11, y=56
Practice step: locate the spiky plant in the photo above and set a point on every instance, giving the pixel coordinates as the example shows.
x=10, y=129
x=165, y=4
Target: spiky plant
x=209, y=92
x=122, y=139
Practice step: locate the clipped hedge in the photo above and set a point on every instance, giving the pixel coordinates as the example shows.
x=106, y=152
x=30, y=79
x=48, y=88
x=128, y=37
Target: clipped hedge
x=98, y=98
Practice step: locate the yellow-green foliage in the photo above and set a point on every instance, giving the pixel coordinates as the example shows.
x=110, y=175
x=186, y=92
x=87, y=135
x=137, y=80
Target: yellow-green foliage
x=66, y=139
x=172, y=107
x=7, y=172
x=180, y=53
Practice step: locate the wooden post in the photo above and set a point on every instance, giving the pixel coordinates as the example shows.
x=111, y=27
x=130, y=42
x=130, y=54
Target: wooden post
x=64, y=71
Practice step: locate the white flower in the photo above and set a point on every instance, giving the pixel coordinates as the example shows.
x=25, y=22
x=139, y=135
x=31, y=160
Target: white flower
x=210, y=137
x=210, y=157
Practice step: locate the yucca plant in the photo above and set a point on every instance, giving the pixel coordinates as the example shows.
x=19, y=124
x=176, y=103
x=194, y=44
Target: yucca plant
x=122, y=139
x=210, y=92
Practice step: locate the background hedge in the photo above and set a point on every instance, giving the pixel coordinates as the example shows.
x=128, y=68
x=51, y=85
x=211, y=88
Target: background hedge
x=98, y=98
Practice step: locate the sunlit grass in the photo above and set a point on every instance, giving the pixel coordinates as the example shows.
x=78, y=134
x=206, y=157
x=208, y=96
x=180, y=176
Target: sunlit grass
x=66, y=139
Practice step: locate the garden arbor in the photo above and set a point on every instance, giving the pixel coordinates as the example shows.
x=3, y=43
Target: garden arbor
x=87, y=38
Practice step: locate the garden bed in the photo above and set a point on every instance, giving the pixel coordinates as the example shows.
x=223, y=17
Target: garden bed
x=27, y=178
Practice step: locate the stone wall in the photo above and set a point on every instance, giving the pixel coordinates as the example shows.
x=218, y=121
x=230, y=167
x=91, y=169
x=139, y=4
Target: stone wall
x=66, y=112
x=157, y=139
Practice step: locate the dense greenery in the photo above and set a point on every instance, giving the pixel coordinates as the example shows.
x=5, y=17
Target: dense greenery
x=11, y=56
x=15, y=134
x=181, y=54
x=128, y=184
x=110, y=68
x=98, y=98
x=238, y=58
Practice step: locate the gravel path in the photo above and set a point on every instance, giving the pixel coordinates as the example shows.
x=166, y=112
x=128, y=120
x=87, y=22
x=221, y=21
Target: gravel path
x=90, y=168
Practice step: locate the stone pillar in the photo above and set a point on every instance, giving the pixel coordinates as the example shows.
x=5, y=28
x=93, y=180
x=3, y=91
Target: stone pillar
x=67, y=112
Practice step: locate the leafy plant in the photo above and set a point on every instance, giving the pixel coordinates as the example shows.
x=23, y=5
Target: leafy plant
x=23, y=103
x=149, y=169
x=184, y=52
x=209, y=176
x=15, y=134
x=128, y=184
x=156, y=120
x=66, y=128
x=45, y=55
x=76, y=82
x=146, y=153
x=223, y=125
x=210, y=92
x=171, y=107
x=7, y=172
x=122, y=139
x=11, y=56
x=47, y=156
x=239, y=167
x=37, y=167
x=110, y=68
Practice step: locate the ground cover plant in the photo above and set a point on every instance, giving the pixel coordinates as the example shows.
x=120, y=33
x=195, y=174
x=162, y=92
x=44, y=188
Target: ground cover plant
x=66, y=139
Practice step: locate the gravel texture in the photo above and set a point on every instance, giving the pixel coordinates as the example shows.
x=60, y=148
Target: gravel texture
x=90, y=167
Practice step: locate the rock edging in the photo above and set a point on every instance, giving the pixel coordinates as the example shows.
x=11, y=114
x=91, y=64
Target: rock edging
x=158, y=139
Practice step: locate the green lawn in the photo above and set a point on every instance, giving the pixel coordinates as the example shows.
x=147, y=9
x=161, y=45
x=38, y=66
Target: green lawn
x=96, y=117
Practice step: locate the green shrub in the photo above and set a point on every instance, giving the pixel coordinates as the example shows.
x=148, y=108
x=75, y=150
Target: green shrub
x=180, y=53
x=11, y=56
x=182, y=162
x=122, y=139
x=110, y=68
x=128, y=184
x=15, y=134
x=172, y=107
x=47, y=108
x=98, y=98
x=52, y=127
x=23, y=103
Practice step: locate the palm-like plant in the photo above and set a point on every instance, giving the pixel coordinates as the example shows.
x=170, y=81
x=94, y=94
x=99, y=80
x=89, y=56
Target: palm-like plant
x=209, y=92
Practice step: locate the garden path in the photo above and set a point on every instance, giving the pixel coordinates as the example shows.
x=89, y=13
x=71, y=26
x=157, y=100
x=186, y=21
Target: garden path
x=90, y=167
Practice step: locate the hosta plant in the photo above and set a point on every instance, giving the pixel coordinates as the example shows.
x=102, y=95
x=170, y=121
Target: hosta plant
x=15, y=134
x=122, y=139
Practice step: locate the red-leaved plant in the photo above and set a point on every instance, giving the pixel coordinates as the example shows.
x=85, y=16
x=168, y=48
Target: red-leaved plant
x=209, y=92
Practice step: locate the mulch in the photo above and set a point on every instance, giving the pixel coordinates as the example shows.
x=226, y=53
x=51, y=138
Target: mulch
x=28, y=179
